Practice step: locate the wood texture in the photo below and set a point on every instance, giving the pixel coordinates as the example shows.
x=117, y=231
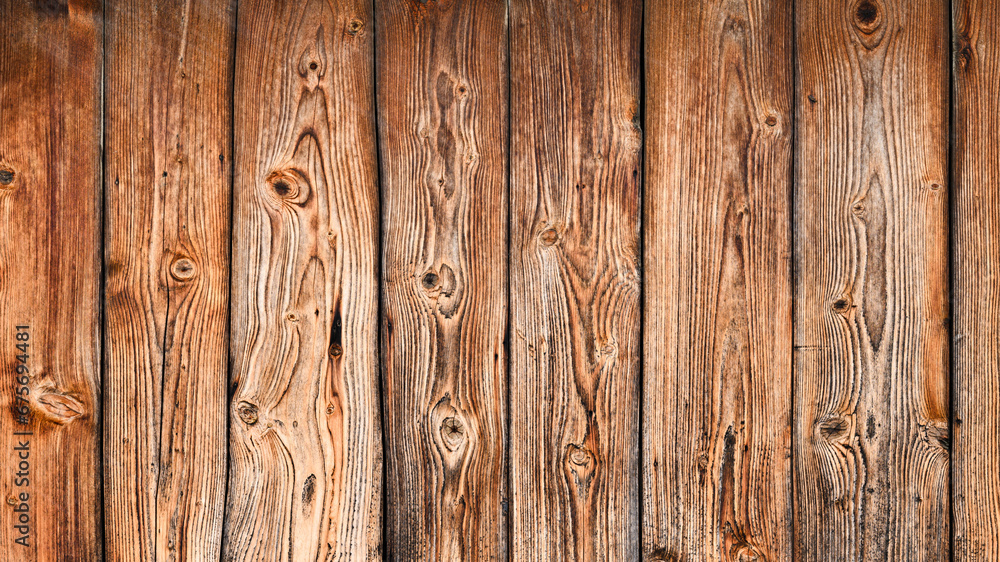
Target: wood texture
x=574, y=279
x=306, y=464
x=976, y=275
x=443, y=133
x=870, y=429
x=50, y=216
x=717, y=315
x=167, y=192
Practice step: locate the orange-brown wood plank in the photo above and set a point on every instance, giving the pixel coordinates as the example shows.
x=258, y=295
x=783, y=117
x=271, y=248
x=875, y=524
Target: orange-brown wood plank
x=717, y=331
x=442, y=98
x=871, y=432
x=50, y=248
x=976, y=274
x=306, y=452
x=168, y=72
x=574, y=279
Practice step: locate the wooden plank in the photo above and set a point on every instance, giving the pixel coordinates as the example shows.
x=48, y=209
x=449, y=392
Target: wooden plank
x=976, y=275
x=306, y=469
x=167, y=192
x=442, y=100
x=574, y=279
x=871, y=255
x=717, y=309
x=50, y=240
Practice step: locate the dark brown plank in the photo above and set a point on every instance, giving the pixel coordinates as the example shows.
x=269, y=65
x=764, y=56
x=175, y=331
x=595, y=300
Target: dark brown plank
x=443, y=133
x=717, y=315
x=50, y=240
x=574, y=279
x=167, y=191
x=976, y=274
x=306, y=459
x=871, y=257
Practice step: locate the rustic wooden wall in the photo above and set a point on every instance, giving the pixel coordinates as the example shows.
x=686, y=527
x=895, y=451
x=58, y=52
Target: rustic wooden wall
x=588, y=280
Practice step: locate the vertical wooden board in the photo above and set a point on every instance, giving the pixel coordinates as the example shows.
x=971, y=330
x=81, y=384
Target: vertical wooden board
x=167, y=191
x=306, y=452
x=976, y=275
x=50, y=240
x=718, y=294
x=574, y=279
x=871, y=258
x=442, y=99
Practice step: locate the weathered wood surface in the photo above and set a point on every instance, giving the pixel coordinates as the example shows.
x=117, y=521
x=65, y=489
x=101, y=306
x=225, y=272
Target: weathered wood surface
x=166, y=238
x=306, y=451
x=50, y=244
x=871, y=433
x=574, y=279
x=976, y=275
x=442, y=137
x=717, y=315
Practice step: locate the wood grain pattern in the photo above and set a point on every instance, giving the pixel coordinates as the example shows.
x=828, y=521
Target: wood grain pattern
x=306, y=464
x=443, y=133
x=167, y=191
x=717, y=314
x=50, y=216
x=976, y=275
x=574, y=279
x=870, y=429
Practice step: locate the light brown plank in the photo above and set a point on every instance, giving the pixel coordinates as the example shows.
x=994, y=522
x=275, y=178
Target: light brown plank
x=443, y=133
x=305, y=480
x=976, y=274
x=50, y=240
x=871, y=256
x=167, y=191
x=717, y=315
x=574, y=279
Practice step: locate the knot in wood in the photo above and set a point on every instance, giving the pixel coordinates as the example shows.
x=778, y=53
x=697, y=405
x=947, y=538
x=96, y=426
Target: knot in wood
x=580, y=456
x=286, y=184
x=247, y=412
x=842, y=305
x=868, y=22
x=858, y=208
x=6, y=176
x=833, y=428
x=331, y=409
x=452, y=432
x=336, y=350
x=355, y=26
x=771, y=120
x=549, y=237
x=182, y=269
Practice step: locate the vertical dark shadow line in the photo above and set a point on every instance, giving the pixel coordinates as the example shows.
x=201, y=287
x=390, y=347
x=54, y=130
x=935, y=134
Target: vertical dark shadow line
x=793, y=266
x=641, y=348
x=508, y=359
x=507, y=500
x=952, y=97
x=235, y=18
x=102, y=285
x=380, y=268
